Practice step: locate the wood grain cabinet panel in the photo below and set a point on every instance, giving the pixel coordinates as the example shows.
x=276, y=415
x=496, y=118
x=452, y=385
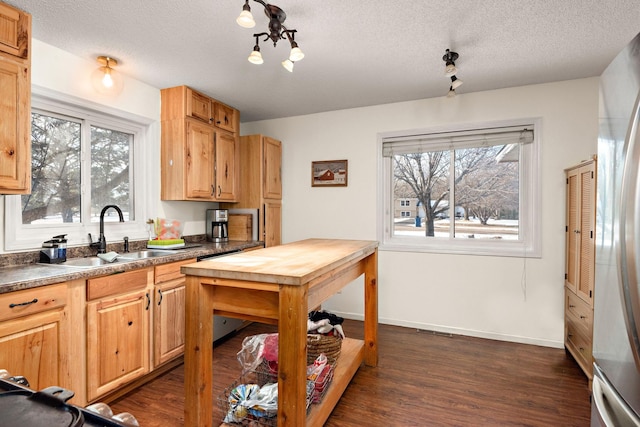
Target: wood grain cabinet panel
x=199, y=156
x=168, y=318
x=34, y=335
x=15, y=101
x=580, y=262
x=118, y=330
x=261, y=185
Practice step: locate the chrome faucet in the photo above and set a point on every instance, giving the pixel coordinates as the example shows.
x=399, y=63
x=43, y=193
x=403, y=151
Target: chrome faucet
x=101, y=244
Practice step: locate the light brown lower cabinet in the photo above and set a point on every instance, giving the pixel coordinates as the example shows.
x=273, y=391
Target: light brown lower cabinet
x=95, y=336
x=34, y=335
x=168, y=318
x=118, y=330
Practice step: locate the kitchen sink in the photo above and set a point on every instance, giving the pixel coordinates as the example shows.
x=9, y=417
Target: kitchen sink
x=150, y=253
x=88, y=262
x=94, y=261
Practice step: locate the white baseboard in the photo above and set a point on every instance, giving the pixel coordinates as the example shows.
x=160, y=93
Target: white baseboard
x=458, y=331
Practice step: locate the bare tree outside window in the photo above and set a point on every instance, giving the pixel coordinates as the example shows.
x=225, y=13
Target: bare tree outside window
x=484, y=202
x=57, y=187
x=55, y=171
x=110, y=175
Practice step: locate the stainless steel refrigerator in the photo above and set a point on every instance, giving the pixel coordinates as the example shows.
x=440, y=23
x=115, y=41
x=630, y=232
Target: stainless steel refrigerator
x=616, y=335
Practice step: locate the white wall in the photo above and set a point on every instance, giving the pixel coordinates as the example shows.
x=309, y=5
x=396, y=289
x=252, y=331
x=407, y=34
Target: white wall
x=495, y=297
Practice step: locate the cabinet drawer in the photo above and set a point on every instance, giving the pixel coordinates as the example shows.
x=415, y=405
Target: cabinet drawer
x=580, y=311
x=116, y=283
x=30, y=301
x=575, y=338
x=170, y=271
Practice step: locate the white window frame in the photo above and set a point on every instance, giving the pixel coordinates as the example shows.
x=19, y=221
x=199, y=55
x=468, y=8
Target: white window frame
x=528, y=244
x=18, y=236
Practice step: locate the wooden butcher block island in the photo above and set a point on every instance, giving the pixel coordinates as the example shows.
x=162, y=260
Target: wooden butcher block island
x=278, y=285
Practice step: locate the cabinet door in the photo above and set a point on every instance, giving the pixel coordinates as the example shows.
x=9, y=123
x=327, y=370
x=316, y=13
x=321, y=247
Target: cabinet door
x=169, y=320
x=199, y=106
x=15, y=125
x=272, y=169
x=272, y=223
x=226, y=153
x=580, y=239
x=15, y=31
x=224, y=117
x=117, y=341
x=199, y=161
x=33, y=346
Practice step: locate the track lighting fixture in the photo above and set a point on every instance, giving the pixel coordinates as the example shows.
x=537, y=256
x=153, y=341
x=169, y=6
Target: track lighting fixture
x=450, y=67
x=277, y=31
x=450, y=70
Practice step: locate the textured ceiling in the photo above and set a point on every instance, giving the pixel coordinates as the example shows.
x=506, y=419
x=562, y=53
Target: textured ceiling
x=357, y=53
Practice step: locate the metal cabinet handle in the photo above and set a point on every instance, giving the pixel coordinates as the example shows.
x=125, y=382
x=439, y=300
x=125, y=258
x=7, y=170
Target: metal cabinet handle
x=160, y=295
x=33, y=301
x=148, y=301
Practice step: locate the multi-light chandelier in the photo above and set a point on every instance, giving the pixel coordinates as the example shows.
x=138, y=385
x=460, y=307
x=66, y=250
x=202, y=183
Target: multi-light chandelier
x=277, y=31
x=450, y=70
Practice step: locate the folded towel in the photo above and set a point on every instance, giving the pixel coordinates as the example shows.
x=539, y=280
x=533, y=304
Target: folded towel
x=109, y=256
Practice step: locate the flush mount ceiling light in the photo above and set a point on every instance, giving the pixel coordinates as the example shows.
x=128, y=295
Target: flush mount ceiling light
x=450, y=70
x=105, y=79
x=277, y=31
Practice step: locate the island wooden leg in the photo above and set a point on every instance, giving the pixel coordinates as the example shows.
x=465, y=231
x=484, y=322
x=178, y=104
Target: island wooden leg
x=292, y=355
x=198, y=354
x=371, y=309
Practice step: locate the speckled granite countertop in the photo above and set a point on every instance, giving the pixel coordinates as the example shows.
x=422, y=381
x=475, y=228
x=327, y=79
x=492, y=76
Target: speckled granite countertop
x=15, y=278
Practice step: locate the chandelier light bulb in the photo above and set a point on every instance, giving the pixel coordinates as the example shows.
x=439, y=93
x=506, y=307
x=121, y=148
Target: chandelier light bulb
x=245, y=20
x=296, y=54
x=451, y=92
x=288, y=65
x=256, y=57
x=107, y=80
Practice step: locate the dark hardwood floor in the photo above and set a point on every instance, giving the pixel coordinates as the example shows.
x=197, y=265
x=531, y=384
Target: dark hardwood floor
x=422, y=379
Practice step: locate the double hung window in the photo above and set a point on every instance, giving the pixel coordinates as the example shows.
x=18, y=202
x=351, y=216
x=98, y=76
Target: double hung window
x=476, y=190
x=81, y=161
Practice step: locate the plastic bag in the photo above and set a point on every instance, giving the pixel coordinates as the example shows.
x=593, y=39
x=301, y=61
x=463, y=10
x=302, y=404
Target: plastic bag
x=168, y=229
x=257, y=348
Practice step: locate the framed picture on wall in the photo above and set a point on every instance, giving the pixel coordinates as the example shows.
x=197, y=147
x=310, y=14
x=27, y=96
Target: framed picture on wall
x=329, y=173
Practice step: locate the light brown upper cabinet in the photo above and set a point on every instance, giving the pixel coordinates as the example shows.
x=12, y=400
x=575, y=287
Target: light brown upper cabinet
x=200, y=147
x=261, y=181
x=15, y=101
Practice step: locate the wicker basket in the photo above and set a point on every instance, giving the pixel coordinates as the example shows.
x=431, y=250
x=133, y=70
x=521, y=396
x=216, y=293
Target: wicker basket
x=327, y=344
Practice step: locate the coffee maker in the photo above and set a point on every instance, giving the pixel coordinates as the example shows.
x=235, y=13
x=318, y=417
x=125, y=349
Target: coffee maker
x=217, y=225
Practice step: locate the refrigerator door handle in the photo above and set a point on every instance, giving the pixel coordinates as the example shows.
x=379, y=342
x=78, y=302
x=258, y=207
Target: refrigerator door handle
x=612, y=410
x=626, y=234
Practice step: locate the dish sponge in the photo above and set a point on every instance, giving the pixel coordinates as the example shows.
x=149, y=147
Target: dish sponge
x=165, y=243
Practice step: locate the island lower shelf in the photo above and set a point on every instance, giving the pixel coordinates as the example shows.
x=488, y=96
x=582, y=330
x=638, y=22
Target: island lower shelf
x=351, y=357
